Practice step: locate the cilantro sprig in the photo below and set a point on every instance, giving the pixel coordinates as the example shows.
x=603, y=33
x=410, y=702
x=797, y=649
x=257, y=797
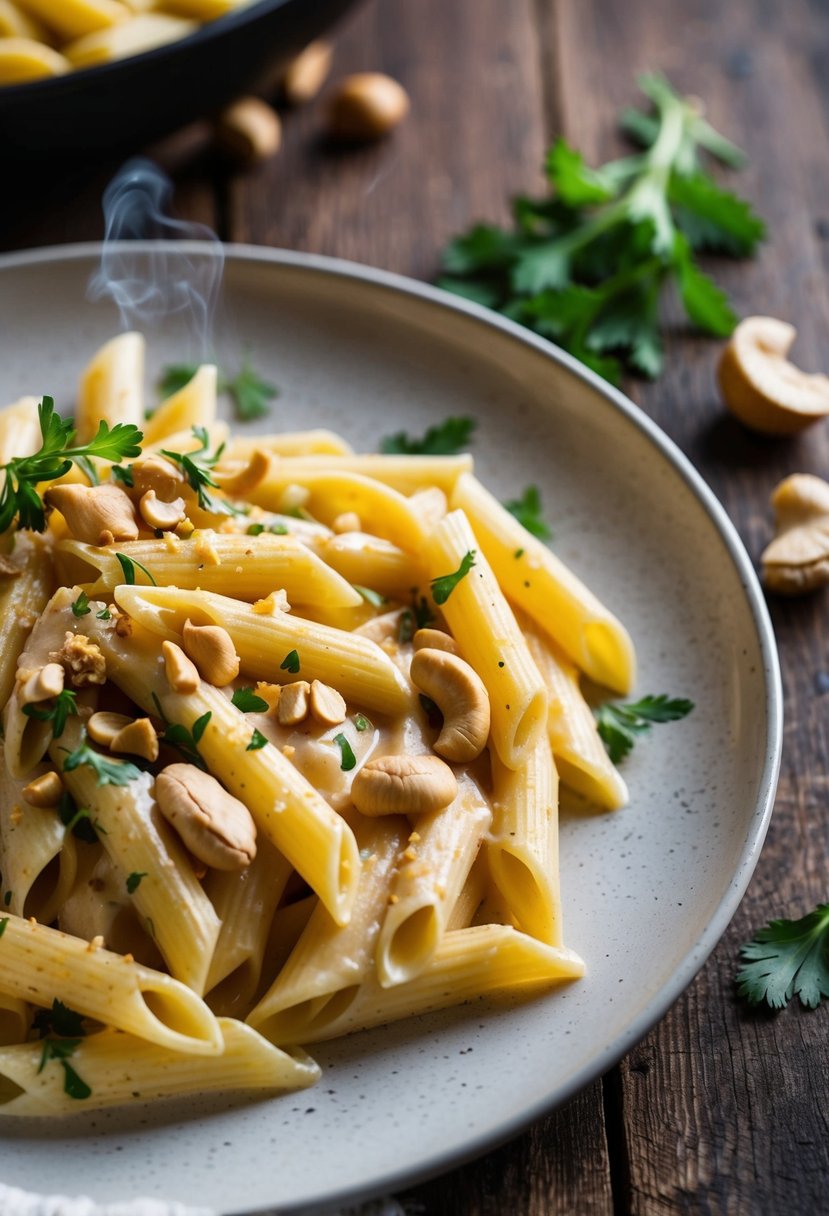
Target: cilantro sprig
x=528, y=511
x=249, y=392
x=446, y=439
x=787, y=958
x=20, y=499
x=620, y=724
x=586, y=265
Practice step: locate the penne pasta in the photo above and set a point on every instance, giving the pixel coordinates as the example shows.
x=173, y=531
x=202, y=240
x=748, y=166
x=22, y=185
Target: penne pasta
x=112, y=385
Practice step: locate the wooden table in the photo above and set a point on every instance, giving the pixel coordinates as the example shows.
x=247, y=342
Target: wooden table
x=719, y=1109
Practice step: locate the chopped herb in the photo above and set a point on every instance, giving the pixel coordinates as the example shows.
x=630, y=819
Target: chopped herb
x=361, y=723
x=128, y=565
x=19, y=497
x=60, y=1020
x=196, y=468
x=527, y=510
x=619, y=724
x=183, y=740
x=78, y=820
x=103, y=615
x=290, y=662
x=61, y=1050
x=134, y=880
x=63, y=705
x=80, y=606
x=3, y=924
x=371, y=597
x=586, y=266
x=788, y=958
x=347, y=757
x=247, y=700
x=247, y=390
x=257, y=740
x=518, y=553
x=447, y=439
x=122, y=473
x=274, y=529
x=445, y=584
x=108, y=772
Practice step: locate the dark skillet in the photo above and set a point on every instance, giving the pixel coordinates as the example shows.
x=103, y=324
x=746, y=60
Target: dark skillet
x=118, y=107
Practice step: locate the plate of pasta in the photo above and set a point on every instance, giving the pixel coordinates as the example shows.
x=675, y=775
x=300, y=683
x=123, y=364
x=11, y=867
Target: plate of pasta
x=313, y=853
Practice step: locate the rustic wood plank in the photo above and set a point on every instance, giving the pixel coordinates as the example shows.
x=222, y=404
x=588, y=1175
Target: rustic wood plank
x=721, y=1109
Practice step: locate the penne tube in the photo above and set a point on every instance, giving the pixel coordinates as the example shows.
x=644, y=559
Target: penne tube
x=37, y=860
x=535, y=579
x=22, y=599
x=285, y=806
x=352, y=664
x=522, y=850
x=112, y=386
x=169, y=898
x=581, y=758
x=488, y=636
x=74, y=18
x=253, y=566
x=330, y=961
x=289, y=443
x=469, y=901
x=432, y=872
x=15, y=1016
x=406, y=474
x=193, y=405
x=368, y=561
x=468, y=963
x=120, y=1070
x=19, y=430
x=43, y=965
x=144, y=32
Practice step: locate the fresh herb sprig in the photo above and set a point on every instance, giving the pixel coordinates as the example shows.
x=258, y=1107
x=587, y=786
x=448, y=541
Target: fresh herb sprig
x=185, y=741
x=449, y=437
x=19, y=498
x=250, y=393
x=196, y=468
x=108, y=772
x=248, y=701
x=787, y=958
x=620, y=724
x=62, y=1032
x=586, y=266
x=62, y=706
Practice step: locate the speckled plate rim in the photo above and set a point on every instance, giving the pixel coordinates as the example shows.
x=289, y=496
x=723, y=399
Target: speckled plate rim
x=694, y=959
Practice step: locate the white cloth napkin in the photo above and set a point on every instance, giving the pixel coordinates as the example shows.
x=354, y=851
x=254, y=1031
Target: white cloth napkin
x=14, y=1202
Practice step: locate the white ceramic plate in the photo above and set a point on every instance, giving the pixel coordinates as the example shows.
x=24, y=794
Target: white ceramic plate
x=647, y=891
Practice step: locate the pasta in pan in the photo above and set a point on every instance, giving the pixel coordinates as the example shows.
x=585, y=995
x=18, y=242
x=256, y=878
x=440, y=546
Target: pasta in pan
x=282, y=744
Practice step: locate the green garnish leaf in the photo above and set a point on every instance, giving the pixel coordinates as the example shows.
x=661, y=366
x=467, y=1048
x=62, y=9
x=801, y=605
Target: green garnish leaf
x=122, y=473
x=347, y=757
x=73, y=1085
x=78, y=820
x=128, y=565
x=361, y=723
x=290, y=662
x=103, y=615
x=445, y=584
x=80, y=606
x=788, y=958
x=528, y=511
x=183, y=740
x=257, y=740
x=248, y=391
x=274, y=529
x=134, y=880
x=59, y=1020
x=174, y=376
x=3, y=922
x=61, y=707
x=371, y=597
x=61, y=1050
x=196, y=468
x=620, y=724
x=108, y=772
x=447, y=439
x=247, y=700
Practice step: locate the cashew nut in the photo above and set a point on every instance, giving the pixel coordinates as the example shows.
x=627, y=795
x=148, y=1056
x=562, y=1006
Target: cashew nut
x=293, y=703
x=211, y=649
x=366, y=106
x=327, y=705
x=97, y=515
x=161, y=515
x=44, y=791
x=182, y=674
x=761, y=387
x=434, y=639
x=797, y=560
x=249, y=131
x=461, y=697
x=43, y=684
x=104, y=726
x=305, y=75
x=122, y=734
x=216, y=827
x=238, y=482
x=154, y=472
x=403, y=785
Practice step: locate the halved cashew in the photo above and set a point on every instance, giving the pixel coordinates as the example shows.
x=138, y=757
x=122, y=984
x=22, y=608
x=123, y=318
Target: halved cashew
x=97, y=515
x=327, y=705
x=216, y=827
x=293, y=703
x=461, y=697
x=124, y=735
x=403, y=785
x=182, y=674
x=163, y=516
x=797, y=560
x=761, y=387
x=211, y=649
x=104, y=726
x=155, y=472
x=238, y=482
x=44, y=791
x=43, y=684
x=434, y=639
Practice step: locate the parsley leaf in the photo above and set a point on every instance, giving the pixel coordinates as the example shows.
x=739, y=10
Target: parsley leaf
x=445, y=584
x=80, y=606
x=619, y=724
x=183, y=740
x=103, y=615
x=63, y=705
x=78, y=820
x=247, y=700
x=108, y=772
x=59, y=1020
x=257, y=740
x=248, y=391
x=128, y=565
x=134, y=880
x=61, y=1050
x=447, y=439
x=196, y=468
x=290, y=662
x=347, y=757
x=527, y=510
x=174, y=376
x=586, y=266
x=122, y=473
x=788, y=958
